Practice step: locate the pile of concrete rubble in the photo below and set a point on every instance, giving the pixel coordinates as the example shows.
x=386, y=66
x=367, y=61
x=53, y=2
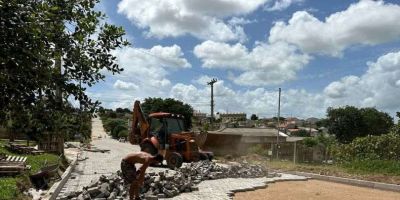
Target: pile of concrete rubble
x=168, y=183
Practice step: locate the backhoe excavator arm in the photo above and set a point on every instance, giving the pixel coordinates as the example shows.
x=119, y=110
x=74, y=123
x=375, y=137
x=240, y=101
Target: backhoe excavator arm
x=140, y=126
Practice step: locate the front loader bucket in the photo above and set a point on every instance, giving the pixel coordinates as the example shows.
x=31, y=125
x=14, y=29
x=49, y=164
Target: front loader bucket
x=200, y=138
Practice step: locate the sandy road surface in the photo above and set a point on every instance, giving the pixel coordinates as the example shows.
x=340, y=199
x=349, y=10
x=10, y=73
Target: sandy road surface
x=313, y=190
x=97, y=129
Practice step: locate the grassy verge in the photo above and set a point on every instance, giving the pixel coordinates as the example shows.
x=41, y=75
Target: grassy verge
x=384, y=167
x=380, y=171
x=12, y=187
x=8, y=188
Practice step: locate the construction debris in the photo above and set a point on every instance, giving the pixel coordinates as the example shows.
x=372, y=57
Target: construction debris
x=168, y=183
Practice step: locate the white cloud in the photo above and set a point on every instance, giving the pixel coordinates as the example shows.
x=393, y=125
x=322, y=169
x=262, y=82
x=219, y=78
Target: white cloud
x=265, y=64
x=258, y=101
x=202, y=80
x=203, y=19
x=337, y=89
x=365, y=22
x=122, y=85
x=377, y=87
x=149, y=68
x=170, y=56
x=281, y=4
x=240, y=21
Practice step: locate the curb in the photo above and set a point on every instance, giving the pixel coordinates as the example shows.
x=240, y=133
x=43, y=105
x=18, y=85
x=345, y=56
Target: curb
x=349, y=181
x=56, y=188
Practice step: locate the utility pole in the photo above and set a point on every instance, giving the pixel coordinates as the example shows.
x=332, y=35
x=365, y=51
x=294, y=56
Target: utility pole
x=212, y=99
x=279, y=116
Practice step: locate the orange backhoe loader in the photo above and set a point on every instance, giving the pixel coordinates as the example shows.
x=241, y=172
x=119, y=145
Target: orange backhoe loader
x=164, y=133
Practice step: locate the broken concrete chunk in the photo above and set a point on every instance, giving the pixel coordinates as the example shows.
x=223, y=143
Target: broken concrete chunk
x=169, y=183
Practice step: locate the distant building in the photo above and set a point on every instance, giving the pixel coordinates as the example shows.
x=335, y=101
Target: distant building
x=323, y=130
x=199, y=118
x=287, y=125
x=236, y=141
x=199, y=115
x=313, y=132
x=232, y=117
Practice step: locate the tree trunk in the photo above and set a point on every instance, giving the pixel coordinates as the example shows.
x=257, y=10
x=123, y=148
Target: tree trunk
x=11, y=135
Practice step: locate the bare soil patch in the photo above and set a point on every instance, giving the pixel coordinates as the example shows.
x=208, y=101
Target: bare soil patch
x=315, y=190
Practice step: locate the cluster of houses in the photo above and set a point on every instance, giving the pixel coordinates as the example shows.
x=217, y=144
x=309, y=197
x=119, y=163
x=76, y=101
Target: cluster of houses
x=236, y=134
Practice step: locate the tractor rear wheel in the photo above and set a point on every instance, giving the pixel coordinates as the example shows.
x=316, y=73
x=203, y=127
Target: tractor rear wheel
x=174, y=160
x=148, y=148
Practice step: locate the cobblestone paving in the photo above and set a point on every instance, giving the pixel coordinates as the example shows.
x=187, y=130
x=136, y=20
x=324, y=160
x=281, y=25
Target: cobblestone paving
x=98, y=164
x=222, y=189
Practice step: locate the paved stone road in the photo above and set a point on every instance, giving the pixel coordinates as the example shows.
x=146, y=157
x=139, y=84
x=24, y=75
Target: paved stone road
x=222, y=189
x=98, y=164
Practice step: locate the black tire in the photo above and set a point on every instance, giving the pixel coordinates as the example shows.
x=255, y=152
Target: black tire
x=174, y=160
x=203, y=156
x=210, y=157
x=206, y=156
x=148, y=148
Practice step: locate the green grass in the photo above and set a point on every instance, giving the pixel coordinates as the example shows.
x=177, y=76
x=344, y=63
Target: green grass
x=306, y=167
x=385, y=167
x=378, y=167
x=37, y=161
x=8, y=188
x=8, y=185
x=378, y=170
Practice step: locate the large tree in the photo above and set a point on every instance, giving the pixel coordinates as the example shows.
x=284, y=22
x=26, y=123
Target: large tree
x=377, y=123
x=396, y=128
x=151, y=105
x=254, y=117
x=349, y=122
x=51, y=51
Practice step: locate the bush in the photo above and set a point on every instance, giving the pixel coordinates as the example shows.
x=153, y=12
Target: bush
x=383, y=147
x=258, y=149
x=110, y=124
x=310, y=142
x=302, y=133
x=123, y=133
x=115, y=132
x=112, y=114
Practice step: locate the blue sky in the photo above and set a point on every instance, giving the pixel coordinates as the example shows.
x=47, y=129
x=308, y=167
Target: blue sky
x=321, y=53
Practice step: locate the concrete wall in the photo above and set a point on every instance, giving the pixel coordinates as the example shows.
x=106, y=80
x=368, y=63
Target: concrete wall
x=223, y=144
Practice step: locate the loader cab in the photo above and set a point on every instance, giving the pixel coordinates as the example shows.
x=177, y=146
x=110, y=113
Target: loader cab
x=162, y=125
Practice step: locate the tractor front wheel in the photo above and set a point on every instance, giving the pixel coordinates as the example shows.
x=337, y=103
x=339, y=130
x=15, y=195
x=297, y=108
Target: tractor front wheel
x=174, y=160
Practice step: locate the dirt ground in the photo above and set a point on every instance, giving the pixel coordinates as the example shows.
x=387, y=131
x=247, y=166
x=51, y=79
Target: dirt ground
x=314, y=189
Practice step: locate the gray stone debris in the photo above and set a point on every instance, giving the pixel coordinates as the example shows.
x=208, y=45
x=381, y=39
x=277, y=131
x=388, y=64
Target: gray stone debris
x=170, y=182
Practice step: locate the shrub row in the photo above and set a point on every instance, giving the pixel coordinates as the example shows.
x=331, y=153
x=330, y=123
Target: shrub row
x=383, y=147
x=116, y=127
